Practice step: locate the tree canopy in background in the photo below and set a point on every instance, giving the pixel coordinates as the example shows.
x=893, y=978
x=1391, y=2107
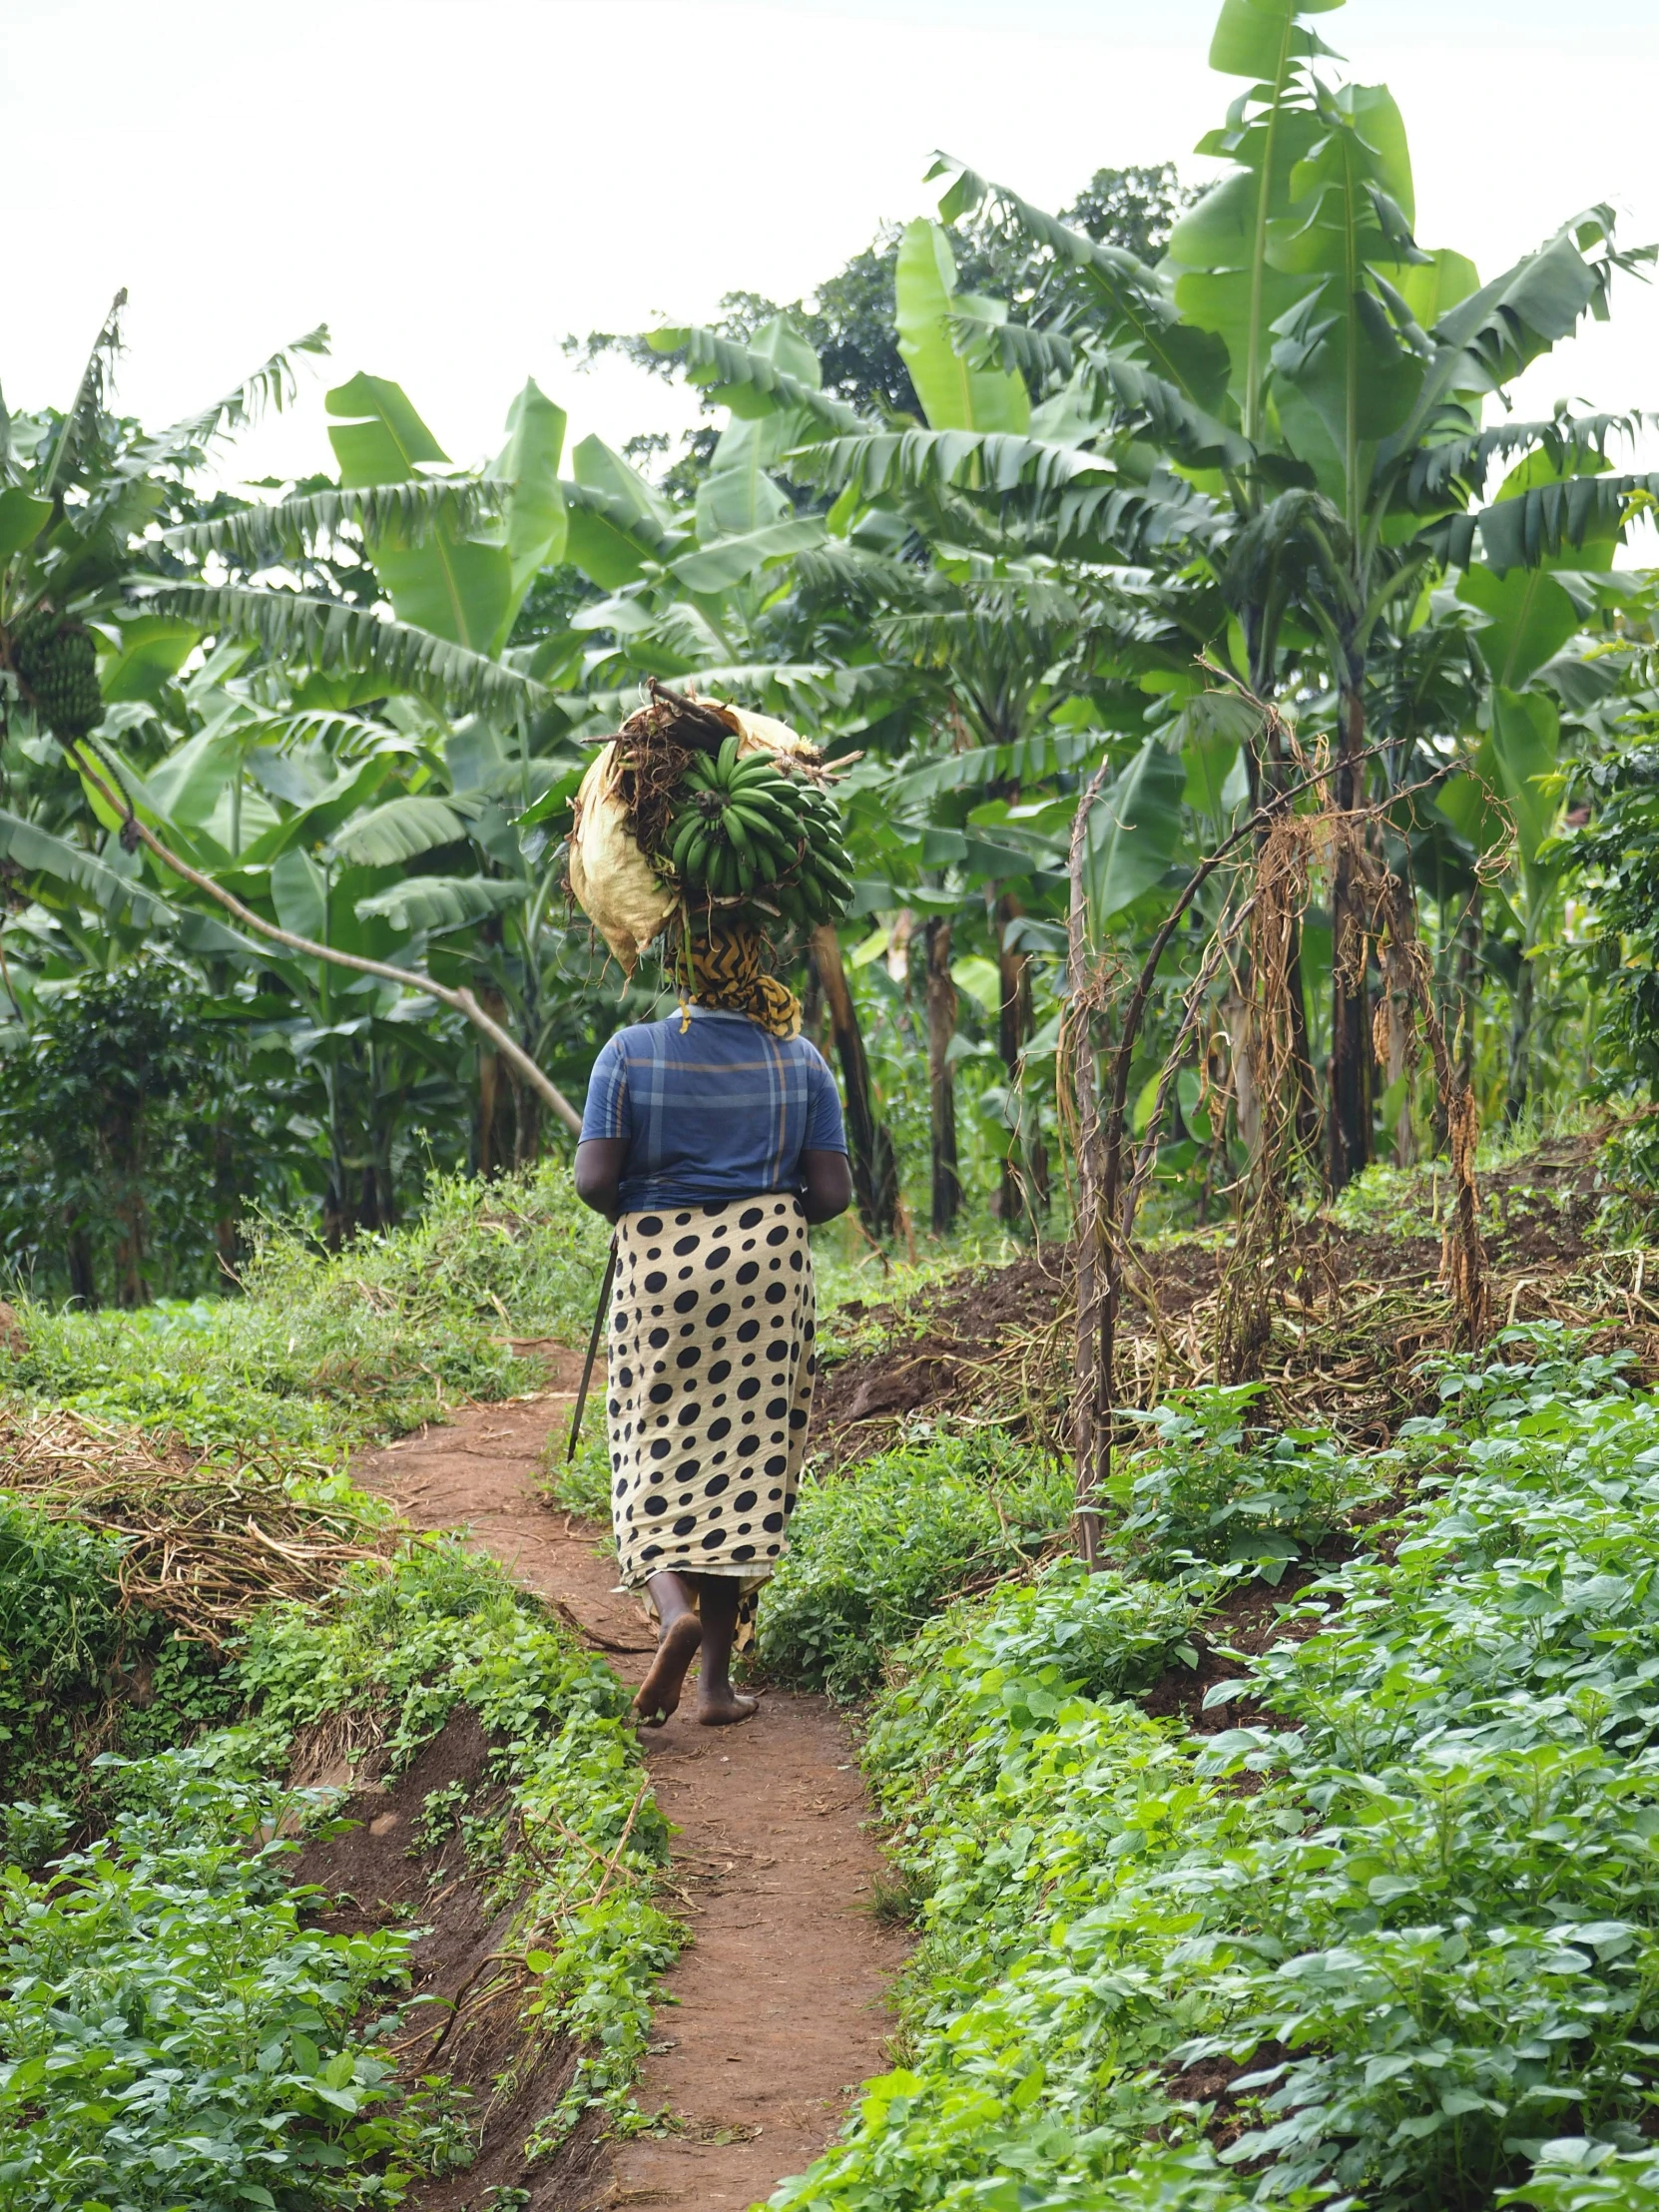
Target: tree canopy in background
x=1166, y=499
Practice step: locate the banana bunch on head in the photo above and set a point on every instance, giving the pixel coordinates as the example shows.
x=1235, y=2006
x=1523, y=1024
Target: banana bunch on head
x=748, y=828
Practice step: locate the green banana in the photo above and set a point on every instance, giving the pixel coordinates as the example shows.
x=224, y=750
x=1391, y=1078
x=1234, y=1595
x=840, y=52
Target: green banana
x=757, y=768
x=738, y=831
x=727, y=757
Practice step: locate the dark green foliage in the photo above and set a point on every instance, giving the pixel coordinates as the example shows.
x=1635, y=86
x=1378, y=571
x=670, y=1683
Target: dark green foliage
x=137, y=1135
x=77, y=1674
x=874, y=1552
x=1619, y=857
x=1135, y=208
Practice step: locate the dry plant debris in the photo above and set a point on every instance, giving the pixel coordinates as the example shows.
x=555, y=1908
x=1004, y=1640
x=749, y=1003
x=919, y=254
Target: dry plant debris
x=202, y=1545
x=1349, y=1316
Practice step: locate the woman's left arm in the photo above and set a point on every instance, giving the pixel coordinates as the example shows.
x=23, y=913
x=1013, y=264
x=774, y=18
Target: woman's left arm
x=827, y=1185
x=599, y=1165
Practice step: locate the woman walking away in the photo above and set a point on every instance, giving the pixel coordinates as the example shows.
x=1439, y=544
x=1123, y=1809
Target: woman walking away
x=713, y=1139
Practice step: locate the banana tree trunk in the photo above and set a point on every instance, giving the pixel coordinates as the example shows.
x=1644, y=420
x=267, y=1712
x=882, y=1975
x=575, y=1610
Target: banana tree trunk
x=227, y=1198
x=874, y=1169
x=942, y=1076
x=1349, y=1140
x=1399, y=1037
x=123, y=1147
x=1517, y=1076
x=493, y=1151
x=83, y=1275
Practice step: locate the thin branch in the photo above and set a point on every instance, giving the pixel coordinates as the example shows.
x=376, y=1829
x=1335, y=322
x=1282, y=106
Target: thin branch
x=462, y=1001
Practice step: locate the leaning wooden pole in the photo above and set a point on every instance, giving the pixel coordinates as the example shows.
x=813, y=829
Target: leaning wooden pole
x=1092, y=1382
x=461, y=1001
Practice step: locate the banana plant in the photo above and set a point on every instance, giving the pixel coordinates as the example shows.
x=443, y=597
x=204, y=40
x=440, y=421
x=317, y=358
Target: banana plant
x=1319, y=378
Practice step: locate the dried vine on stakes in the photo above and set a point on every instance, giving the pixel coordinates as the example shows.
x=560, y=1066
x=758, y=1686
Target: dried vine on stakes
x=1092, y=1384
x=1101, y=1238
x=1282, y=859
x=461, y=1001
x=1464, y=1262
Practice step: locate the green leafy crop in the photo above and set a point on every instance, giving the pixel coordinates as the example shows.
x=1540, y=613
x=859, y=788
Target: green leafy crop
x=1391, y=1939
x=874, y=1552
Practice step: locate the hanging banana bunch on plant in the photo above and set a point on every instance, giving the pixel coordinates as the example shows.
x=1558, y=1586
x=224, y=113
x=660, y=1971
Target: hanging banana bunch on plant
x=747, y=829
x=57, y=663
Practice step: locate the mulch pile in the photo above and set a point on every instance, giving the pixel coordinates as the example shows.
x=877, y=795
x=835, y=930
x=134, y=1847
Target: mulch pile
x=1355, y=1315
x=203, y=1546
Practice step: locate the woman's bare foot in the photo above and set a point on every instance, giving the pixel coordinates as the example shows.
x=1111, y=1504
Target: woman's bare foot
x=723, y=1708
x=659, y=1694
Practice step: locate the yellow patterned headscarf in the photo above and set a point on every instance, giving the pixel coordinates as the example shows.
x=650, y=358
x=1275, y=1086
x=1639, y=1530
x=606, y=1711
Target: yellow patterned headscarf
x=726, y=971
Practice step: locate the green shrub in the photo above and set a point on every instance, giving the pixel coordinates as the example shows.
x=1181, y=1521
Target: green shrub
x=70, y=1654
x=1206, y=1489
x=875, y=1550
x=326, y=1350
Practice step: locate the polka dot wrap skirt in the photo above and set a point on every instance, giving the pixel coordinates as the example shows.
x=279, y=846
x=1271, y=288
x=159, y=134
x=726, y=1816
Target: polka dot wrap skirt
x=711, y=1367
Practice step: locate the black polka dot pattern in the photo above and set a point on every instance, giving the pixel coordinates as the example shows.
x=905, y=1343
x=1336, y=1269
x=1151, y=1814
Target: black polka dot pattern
x=696, y=1359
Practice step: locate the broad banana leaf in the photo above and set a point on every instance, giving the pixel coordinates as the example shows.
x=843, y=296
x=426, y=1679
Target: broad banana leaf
x=38, y=852
x=730, y=561
x=1531, y=611
x=1132, y=832
x=300, y=892
x=1526, y=742
x=738, y=497
x=152, y=650
x=438, y=902
x=1259, y=38
x=751, y=383
x=22, y=519
x=397, y=832
x=456, y=587
x=953, y=394
x=535, y=522
x=186, y=787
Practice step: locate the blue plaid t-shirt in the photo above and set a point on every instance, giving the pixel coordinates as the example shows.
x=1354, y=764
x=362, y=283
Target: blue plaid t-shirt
x=719, y=1109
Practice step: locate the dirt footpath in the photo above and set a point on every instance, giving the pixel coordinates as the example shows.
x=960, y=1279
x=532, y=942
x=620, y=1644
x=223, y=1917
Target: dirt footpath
x=777, y=2007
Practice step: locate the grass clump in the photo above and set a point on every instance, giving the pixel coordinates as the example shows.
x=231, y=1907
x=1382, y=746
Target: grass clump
x=875, y=1550
x=325, y=1350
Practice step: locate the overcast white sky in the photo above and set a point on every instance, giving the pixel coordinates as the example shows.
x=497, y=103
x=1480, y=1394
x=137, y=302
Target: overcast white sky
x=453, y=185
